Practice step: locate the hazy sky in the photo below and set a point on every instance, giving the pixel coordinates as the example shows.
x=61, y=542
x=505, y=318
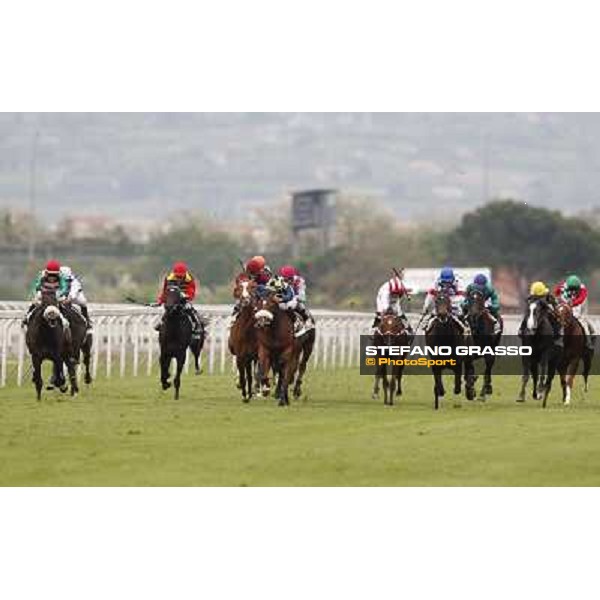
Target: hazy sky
x=419, y=164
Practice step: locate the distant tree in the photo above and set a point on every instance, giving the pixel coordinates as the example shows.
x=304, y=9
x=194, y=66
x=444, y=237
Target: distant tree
x=211, y=254
x=535, y=243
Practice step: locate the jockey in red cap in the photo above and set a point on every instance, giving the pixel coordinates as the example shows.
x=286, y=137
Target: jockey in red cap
x=50, y=279
x=298, y=284
x=390, y=297
x=257, y=270
x=181, y=277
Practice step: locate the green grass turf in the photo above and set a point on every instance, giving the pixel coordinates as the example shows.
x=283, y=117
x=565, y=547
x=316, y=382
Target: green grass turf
x=127, y=432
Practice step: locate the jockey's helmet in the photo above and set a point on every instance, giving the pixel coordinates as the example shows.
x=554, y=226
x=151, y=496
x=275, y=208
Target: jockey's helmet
x=395, y=286
x=288, y=271
x=180, y=269
x=480, y=280
x=256, y=264
x=538, y=288
x=447, y=275
x=66, y=272
x=53, y=267
x=573, y=283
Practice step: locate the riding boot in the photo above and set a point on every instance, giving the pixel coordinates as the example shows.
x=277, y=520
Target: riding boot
x=25, y=320
x=235, y=312
x=305, y=315
x=86, y=314
x=159, y=325
x=557, y=330
x=376, y=320
x=198, y=326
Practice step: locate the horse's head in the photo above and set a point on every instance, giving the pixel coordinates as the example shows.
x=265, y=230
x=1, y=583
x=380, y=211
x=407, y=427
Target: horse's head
x=564, y=312
x=173, y=299
x=391, y=325
x=51, y=315
x=48, y=297
x=535, y=310
x=266, y=308
x=476, y=301
x=443, y=306
x=244, y=290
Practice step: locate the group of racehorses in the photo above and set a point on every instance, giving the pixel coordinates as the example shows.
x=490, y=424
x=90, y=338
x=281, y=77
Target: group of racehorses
x=546, y=359
x=263, y=341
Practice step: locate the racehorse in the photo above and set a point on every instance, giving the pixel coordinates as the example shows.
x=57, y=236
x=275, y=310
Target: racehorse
x=574, y=350
x=390, y=332
x=242, y=335
x=541, y=364
x=174, y=338
x=277, y=346
x=444, y=331
x=483, y=335
x=48, y=339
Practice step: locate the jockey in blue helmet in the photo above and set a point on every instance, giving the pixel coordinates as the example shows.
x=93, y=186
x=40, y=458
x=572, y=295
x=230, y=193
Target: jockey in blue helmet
x=482, y=284
x=449, y=284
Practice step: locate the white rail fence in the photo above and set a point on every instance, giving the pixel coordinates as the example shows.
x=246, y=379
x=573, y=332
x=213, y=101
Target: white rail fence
x=126, y=344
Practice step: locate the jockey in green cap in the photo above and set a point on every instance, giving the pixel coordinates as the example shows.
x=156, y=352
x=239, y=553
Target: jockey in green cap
x=573, y=292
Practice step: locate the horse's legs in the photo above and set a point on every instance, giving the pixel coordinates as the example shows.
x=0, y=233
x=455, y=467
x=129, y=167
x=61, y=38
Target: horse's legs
x=59, y=373
x=399, y=381
x=487, y=378
x=375, y=394
x=37, y=376
x=392, y=388
x=570, y=380
x=535, y=379
x=289, y=364
x=438, y=387
x=180, y=360
x=524, y=379
x=241, y=367
x=249, y=368
x=300, y=375
x=196, y=348
x=458, y=375
x=588, y=356
x=165, y=362
x=264, y=360
x=72, y=370
x=550, y=370
x=386, y=386
x=86, y=362
x=469, y=379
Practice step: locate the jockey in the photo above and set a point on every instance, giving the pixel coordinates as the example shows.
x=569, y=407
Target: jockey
x=288, y=300
x=181, y=277
x=492, y=301
x=75, y=293
x=257, y=270
x=49, y=279
x=449, y=284
x=539, y=292
x=298, y=284
x=389, y=299
x=573, y=292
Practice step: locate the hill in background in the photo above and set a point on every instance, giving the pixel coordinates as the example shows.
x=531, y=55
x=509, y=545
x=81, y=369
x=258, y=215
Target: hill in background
x=423, y=166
